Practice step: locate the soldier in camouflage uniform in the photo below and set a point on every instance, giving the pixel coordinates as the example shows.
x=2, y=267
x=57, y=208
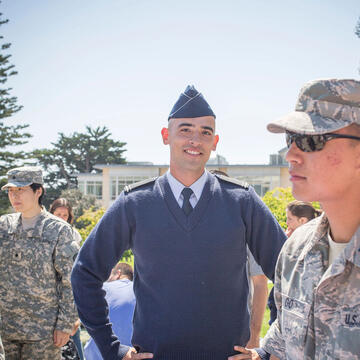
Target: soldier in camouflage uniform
x=36, y=250
x=317, y=280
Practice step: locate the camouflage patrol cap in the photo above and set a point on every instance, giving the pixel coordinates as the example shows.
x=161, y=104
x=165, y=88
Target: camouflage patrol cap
x=23, y=176
x=323, y=106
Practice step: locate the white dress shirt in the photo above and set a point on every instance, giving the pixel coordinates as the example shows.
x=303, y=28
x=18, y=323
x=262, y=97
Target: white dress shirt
x=177, y=187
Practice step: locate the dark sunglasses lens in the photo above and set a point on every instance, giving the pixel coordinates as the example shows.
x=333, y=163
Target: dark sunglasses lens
x=306, y=143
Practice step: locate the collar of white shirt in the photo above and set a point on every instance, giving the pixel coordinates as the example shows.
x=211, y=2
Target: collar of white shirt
x=177, y=187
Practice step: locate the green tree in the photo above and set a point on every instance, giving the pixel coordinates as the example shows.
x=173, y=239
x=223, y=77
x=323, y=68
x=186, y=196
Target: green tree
x=80, y=202
x=277, y=200
x=10, y=135
x=77, y=153
x=86, y=222
x=5, y=207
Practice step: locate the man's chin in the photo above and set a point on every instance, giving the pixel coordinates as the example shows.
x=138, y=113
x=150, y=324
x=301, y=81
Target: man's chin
x=302, y=195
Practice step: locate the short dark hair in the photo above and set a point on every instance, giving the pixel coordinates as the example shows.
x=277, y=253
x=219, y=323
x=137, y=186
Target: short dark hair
x=62, y=202
x=303, y=209
x=125, y=269
x=38, y=186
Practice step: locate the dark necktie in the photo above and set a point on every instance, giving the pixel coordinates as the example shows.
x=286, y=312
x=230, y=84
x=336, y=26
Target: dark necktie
x=187, y=208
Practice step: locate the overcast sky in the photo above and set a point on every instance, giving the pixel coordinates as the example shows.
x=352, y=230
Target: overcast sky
x=123, y=64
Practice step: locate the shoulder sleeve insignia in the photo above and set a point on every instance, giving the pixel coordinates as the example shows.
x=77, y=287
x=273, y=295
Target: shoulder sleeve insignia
x=133, y=186
x=240, y=183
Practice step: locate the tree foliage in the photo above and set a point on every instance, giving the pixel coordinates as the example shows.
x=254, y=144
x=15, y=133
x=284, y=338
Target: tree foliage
x=86, y=222
x=80, y=202
x=277, y=200
x=5, y=206
x=357, y=28
x=10, y=135
x=77, y=153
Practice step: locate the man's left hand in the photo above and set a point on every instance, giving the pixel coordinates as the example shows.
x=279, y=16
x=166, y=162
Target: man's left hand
x=60, y=338
x=245, y=353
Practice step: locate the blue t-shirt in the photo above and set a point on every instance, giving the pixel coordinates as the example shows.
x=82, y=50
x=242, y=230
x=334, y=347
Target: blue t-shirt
x=121, y=301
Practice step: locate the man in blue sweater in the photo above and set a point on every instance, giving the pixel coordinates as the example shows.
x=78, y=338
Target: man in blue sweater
x=179, y=226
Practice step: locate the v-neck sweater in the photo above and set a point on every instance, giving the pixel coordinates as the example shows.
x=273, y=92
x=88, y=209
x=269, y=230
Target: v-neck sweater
x=190, y=277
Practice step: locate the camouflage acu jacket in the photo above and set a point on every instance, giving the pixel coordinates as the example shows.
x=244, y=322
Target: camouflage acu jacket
x=35, y=289
x=318, y=306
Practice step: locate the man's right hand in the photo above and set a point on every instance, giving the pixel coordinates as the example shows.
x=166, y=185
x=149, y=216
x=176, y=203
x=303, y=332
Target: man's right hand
x=245, y=354
x=133, y=355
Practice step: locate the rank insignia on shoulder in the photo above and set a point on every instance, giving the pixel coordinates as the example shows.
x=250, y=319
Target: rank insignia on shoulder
x=135, y=185
x=243, y=184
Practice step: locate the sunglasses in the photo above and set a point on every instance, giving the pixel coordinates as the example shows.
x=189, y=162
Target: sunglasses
x=310, y=143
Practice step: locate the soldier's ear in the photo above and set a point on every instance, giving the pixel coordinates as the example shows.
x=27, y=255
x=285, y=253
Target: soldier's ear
x=165, y=135
x=39, y=192
x=118, y=273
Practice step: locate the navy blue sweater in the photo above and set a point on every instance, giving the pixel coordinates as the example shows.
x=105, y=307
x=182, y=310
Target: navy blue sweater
x=190, y=272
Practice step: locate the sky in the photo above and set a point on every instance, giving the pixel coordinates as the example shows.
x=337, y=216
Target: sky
x=123, y=64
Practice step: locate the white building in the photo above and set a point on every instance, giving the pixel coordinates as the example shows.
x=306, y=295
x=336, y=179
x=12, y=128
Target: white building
x=108, y=184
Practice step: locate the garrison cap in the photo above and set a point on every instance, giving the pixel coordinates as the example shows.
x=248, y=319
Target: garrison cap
x=23, y=176
x=191, y=104
x=323, y=106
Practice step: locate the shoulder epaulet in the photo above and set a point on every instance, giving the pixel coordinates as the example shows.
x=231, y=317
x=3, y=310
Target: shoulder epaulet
x=133, y=186
x=243, y=184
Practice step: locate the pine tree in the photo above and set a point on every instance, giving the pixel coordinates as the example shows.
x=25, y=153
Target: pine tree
x=10, y=135
x=77, y=153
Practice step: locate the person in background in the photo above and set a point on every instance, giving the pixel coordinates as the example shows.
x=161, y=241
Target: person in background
x=317, y=283
x=299, y=213
x=36, y=249
x=61, y=208
x=179, y=226
x=121, y=303
x=258, y=295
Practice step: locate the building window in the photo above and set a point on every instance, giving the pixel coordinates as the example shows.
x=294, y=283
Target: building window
x=91, y=188
x=260, y=189
x=81, y=186
x=260, y=184
x=119, y=182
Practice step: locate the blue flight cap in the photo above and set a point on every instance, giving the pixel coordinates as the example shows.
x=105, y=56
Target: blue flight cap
x=191, y=104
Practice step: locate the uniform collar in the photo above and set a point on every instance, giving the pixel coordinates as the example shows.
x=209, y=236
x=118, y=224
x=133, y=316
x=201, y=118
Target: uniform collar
x=177, y=187
x=16, y=226
x=351, y=252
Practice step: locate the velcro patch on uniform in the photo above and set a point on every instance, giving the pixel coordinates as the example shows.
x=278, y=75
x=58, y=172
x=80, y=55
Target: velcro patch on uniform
x=295, y=306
